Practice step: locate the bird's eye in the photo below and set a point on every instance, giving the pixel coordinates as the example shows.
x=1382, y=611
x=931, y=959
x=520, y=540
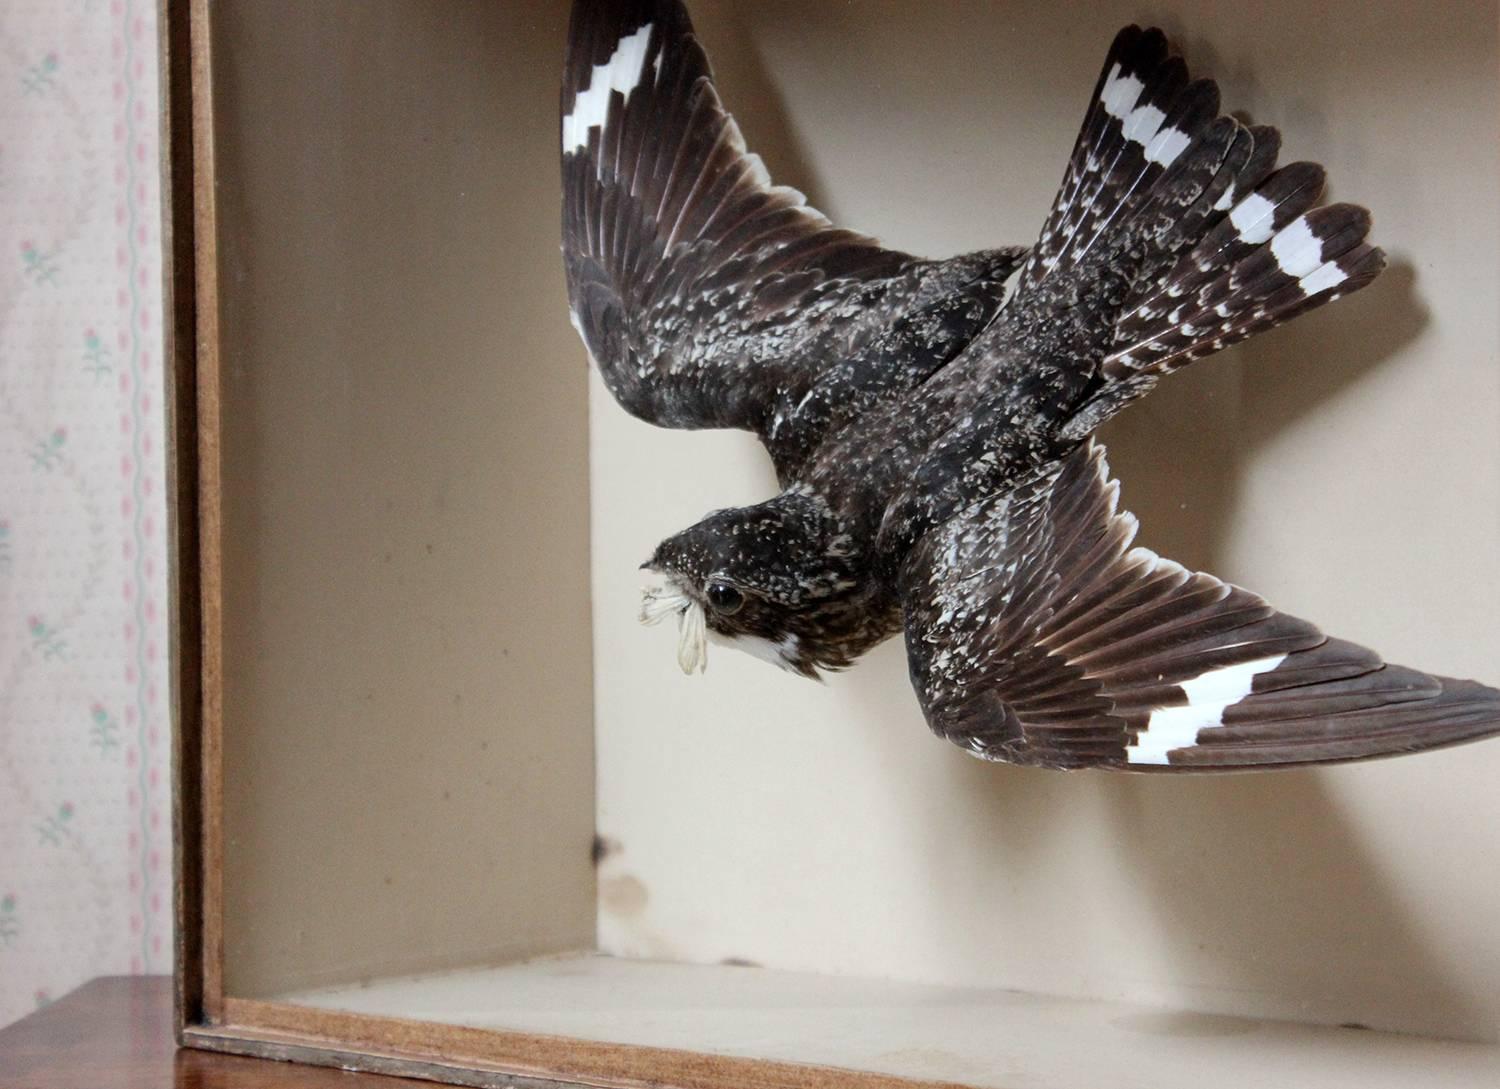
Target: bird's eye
x=724, y=597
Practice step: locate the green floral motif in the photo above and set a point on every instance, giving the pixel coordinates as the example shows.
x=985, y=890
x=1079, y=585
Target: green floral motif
x=95, y=354
x=10, y=926
x=46, y=638
x=47, y=454
x=43, y=997
x=39, y=267
x=39, y=78
x=54, y=829
x=5, y=546
x=104, y=729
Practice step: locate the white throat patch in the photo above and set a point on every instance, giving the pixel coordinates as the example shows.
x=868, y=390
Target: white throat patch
x=760, y=647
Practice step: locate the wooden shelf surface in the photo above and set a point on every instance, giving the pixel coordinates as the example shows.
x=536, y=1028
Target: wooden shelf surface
x=116, y=1033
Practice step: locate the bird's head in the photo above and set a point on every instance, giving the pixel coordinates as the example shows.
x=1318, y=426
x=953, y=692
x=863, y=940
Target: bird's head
x=781, y=580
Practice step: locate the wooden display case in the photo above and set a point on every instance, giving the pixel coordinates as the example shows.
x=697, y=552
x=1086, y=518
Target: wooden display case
x=444, y=810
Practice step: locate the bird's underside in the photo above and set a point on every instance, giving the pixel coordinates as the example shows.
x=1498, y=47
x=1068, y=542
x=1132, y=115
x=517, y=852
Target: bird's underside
x=932, y=434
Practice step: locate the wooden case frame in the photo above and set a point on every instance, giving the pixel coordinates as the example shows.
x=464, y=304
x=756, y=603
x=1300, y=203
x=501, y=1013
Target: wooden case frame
x=206, y=1016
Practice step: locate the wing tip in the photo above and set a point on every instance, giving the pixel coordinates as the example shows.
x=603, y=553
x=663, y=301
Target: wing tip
x=1397, y=722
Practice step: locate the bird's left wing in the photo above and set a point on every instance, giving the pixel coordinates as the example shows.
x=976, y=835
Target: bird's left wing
x=708, y=296
x=1036, y=634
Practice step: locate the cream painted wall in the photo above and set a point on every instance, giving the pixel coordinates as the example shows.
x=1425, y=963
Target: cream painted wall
x=1347, y=467
x=408, y=752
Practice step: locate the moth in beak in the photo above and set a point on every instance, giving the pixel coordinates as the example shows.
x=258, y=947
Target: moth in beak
x=660, y=602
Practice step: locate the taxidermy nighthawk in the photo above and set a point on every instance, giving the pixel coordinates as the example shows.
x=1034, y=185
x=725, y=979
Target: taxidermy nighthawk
x=931, y=433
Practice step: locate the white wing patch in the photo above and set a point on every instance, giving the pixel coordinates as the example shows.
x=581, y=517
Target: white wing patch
x=1209, y=695
x=622, y=72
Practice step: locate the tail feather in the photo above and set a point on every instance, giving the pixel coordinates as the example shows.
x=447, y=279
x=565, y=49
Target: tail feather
x=1318, y=256
x=1151, y=158
x=1219, y=244
x=1125, y=144
x=1266, y=149
x=1173, y=215
x=1249, y=223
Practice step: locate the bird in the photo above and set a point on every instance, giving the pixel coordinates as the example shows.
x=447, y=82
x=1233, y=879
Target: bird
x=931, y=421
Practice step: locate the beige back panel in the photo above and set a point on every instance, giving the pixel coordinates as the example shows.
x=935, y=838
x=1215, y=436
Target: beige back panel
x=408, y=745
x=1347, y=467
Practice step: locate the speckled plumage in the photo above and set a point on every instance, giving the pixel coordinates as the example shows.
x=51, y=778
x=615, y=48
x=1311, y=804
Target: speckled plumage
x=932, y=436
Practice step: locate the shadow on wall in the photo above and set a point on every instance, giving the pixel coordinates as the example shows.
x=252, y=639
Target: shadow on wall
x=1179, y=453
x=1252, y=883
x=1251, y=886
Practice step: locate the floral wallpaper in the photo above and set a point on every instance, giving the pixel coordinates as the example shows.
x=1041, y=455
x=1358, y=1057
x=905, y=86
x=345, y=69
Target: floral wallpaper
x=85, y=862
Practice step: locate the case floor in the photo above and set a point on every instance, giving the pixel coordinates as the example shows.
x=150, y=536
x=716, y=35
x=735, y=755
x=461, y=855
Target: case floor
x=982, y=1037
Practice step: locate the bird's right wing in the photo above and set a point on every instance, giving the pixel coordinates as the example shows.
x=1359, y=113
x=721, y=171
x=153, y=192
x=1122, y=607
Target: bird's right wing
x=707, y=295
x=1036, y=634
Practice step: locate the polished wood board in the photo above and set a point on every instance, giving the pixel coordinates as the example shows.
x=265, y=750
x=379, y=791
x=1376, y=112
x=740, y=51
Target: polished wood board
x=116, y=1033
